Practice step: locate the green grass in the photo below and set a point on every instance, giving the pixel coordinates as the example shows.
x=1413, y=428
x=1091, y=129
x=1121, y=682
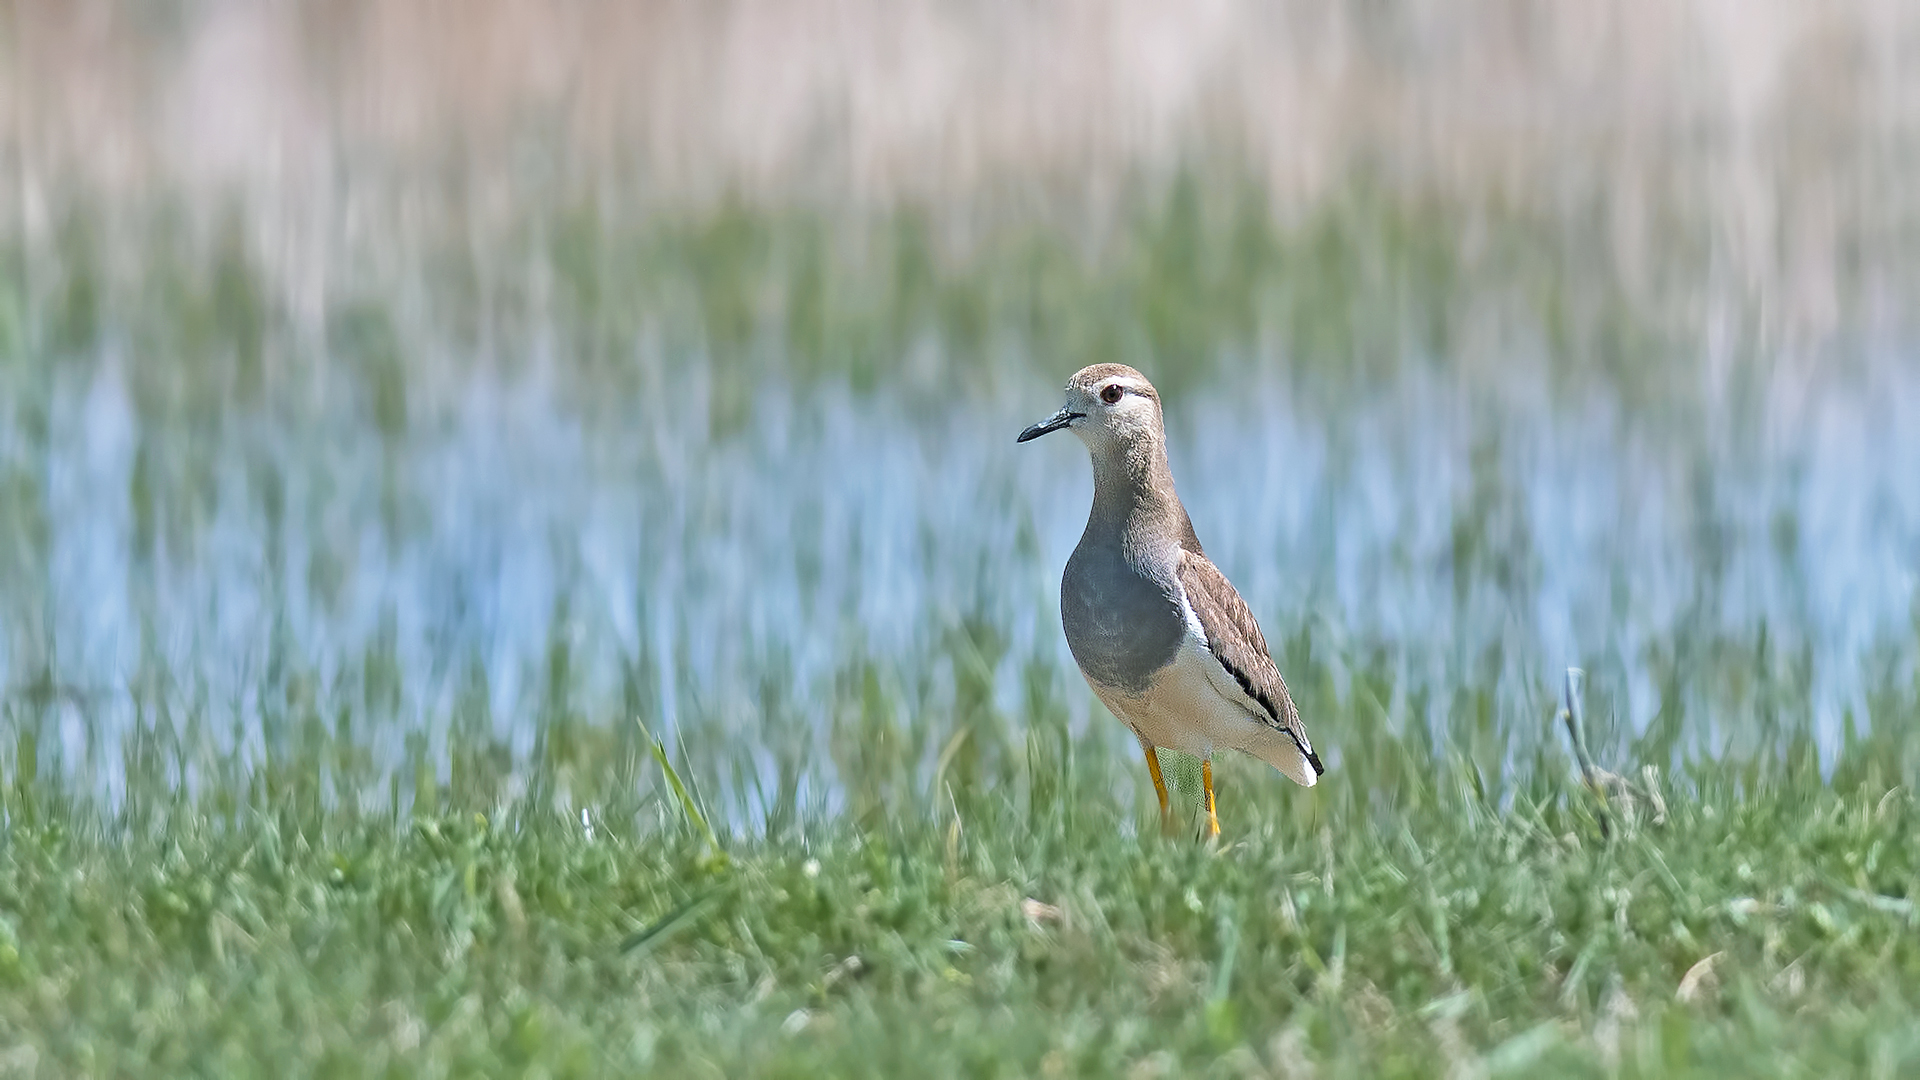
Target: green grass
x=1033, y=926
x=1436, y=906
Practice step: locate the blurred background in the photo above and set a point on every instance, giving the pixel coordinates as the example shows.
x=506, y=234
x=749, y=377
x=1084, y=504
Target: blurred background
x=399, y=400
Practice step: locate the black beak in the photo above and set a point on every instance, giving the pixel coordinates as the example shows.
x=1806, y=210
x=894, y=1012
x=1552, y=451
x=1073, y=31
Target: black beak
x=1052, y=423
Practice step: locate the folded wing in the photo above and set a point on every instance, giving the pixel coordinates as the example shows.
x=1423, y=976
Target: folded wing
x=1234, y=638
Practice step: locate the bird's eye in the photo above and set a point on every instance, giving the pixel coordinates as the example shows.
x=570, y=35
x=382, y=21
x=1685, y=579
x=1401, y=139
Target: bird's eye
x=1111, y=395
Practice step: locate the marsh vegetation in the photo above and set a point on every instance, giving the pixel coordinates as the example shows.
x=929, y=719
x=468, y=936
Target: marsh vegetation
x=369, y=508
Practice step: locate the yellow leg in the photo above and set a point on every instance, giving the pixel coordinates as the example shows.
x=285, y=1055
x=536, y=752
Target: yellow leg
x=1206, y=779
x=1159, y=781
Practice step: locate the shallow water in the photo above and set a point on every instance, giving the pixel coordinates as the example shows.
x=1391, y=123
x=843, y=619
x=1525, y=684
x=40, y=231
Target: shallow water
x=378, y=403
x=1468, y=538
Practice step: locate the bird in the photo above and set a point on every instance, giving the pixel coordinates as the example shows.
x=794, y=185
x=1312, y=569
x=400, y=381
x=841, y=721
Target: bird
x=1161, y=636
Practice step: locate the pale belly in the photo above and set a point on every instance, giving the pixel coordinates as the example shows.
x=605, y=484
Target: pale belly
x=1193, y=706
x=1183, y=708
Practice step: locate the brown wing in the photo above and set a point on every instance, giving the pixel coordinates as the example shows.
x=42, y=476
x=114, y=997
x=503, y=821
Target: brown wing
x=1234, y=637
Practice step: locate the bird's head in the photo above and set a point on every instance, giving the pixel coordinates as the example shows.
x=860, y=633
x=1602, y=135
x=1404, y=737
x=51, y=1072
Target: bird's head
x=1111, y=407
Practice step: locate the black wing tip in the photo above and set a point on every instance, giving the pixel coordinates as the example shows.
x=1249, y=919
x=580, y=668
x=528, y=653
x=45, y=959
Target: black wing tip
x=1276, y=715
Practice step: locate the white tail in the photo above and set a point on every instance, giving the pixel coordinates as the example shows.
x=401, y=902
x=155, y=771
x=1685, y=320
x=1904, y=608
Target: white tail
x=1278, y=749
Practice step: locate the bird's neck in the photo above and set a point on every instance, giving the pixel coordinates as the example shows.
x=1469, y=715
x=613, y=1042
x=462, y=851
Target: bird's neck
x=1133, y=486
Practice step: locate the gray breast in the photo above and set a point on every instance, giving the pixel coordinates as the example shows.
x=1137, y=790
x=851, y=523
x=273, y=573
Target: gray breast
x=1122, y=625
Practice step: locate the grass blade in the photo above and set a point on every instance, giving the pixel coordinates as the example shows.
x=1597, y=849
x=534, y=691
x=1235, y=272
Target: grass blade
x=688, y=806
x=673, y=922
